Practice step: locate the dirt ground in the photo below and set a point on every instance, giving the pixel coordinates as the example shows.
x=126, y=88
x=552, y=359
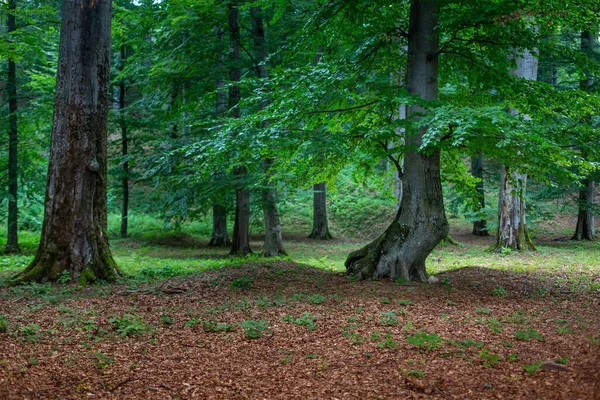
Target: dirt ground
x=285, y=331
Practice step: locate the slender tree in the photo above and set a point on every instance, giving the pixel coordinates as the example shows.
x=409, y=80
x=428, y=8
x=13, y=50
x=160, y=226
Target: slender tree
x=241, y=226
x=273, y=245
x=585, y=217
x=420, y=223
x=479, y=226
x=74, y=232
x=124, y=149
x=512, y=223
x=12, y=243
x=320, y=228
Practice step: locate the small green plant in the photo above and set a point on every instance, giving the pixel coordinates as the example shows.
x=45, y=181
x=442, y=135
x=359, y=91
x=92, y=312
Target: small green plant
x=403, y=302
x=499, y=291
x=166, y=320
x=409, y=326
x=489, y=359
x=451, y=303
x=245, y=282
x=306, y=319
x=532, y=368
x=385, y=300
x=64, y=278
x=426, y=341
x=212, y=326
x=254, y=329
x=3, y=324
x=388, y=318
x=563, y=360
x=529, y=334
x=485, y=311
x=102, y=361
x=312, y=356
x=594, y=340
x=193, y=322
x=129, y=325
x=468, y=342
x=417, y=373
x=513, y=357
x=375, y=336
x=494, y=325
x=30, y=332
x=317, y=298
x=388, y=342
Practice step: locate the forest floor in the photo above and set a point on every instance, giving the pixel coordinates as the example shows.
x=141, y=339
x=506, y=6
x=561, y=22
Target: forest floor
x=189, y=323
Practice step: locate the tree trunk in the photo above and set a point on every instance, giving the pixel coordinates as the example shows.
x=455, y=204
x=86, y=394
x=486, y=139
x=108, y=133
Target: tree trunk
x=585, y=217
x=241, y=226
x=74, y=235
x=12, y=242
x=219, y=236
x=320, y=230
x=420, y=223
x=124, y=151
x=273, y=240
x=479, y=227
x=512, y=223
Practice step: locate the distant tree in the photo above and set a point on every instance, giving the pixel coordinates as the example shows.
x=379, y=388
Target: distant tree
x=74, y=232
x=585, y=217
x=241, y=227
x=12, y=243
x=320, y=230
x=512, y=222
x=479, y=226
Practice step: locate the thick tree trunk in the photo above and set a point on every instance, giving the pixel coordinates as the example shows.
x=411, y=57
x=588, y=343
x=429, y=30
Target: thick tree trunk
x=12, y=242
x=320, y=230
x=585, y=217
x=420, y=223
x=479, y=227
x=74, y=235
x=219, y=236
x=512, y=223
x=241, y=226
x=273, y=240
x=124, y=151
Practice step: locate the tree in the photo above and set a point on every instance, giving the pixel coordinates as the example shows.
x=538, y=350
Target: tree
x=585, y=217
x=420, y=223
x=74, y=233
x=124, y=149
x=241, y=227
x=480, y=226
x=512, y=228
x=320, y=228
x=12, y=243
x=273, y=245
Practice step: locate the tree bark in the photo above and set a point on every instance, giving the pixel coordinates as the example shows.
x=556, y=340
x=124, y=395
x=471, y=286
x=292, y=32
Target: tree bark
x=479, y=227
x=241, y=226
x=12, y=242
x=273, y=245
x=585, y=217
x=512, y=223
x=74, y=235
x=219, y=236
x=124, y=151
x=420, y=223
x=320, y=230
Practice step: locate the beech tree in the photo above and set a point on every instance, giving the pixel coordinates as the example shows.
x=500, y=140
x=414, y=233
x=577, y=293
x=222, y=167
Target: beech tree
x=74, y=233
x=12, y=242
x=479, y=226
x=420, y=223
x=320, y=229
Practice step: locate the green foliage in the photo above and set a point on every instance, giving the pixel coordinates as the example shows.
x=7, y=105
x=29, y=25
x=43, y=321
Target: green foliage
x=532, y=368
x=255, y=329
x=388, y=342
x=64, y=278
x=129, y=325
x=388, y=318
x=317, y=298
x=102, y=360
x=529, y=334
x=425, y=341
x=3, y=324
x=305, y=319
x=489, y=359
x=215, y=327
x=499, y=291
x=245, y=282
